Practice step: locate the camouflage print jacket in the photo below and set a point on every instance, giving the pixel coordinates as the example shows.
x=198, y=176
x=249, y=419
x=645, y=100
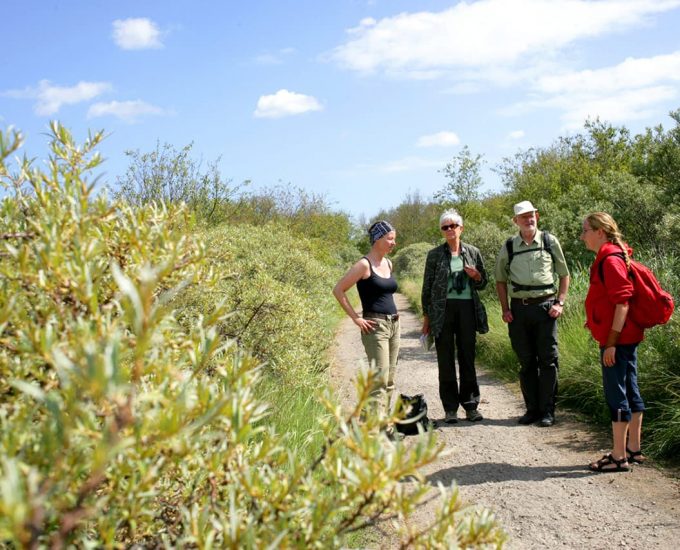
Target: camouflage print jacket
x=435, y=284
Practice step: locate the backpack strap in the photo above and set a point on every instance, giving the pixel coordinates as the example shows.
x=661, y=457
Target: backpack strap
x=547, y=247
x=600, y=267
x=508, y=247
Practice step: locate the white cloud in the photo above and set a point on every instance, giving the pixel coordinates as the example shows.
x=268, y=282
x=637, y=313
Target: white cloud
x=631, y=90
x=630, y=74
x=136, y=34
x=516, y=134
x=284, y=103
x=128, y=111
x=50, y=98
x=440, y=139
x=487, y=32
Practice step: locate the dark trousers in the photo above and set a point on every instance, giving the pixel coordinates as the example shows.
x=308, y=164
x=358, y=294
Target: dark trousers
x=533, y=334
x=458, y=335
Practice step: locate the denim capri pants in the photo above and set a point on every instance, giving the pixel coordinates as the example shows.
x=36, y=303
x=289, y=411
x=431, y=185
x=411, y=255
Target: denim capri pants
x=620, y=383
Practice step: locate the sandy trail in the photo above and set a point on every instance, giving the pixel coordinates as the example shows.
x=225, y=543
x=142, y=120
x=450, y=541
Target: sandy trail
x=535, y=479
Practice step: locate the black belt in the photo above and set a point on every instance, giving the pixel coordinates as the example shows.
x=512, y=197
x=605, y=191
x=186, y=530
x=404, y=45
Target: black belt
x=386, y=316
x=529, y=301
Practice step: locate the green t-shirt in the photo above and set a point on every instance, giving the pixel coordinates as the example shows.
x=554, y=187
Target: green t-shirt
x=459, y=282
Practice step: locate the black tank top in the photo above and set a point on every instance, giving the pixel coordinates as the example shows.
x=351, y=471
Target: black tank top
x=376, y=292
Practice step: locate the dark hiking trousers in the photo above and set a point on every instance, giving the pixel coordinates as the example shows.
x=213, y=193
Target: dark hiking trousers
x=533, y=334
x=458, y=339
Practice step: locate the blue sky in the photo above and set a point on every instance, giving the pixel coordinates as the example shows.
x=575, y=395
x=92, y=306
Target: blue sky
x=360, y=101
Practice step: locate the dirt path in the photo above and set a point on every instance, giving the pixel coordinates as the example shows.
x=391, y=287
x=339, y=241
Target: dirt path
x=534, y=478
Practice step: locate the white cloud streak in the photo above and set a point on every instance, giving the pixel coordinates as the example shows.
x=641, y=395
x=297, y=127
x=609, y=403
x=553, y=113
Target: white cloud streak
x=440, y=139
x=631, y=90
x=127, y=111
x=516, y=134
x=284, y=103
x=136, y=34
x=51, y=98
x=483, y=33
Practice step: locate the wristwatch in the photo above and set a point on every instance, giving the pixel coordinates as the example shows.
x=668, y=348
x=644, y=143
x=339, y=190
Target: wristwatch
x=560, y=302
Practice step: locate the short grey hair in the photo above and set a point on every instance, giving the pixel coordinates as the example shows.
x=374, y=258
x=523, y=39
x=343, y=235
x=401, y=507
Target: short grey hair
x=452, y=215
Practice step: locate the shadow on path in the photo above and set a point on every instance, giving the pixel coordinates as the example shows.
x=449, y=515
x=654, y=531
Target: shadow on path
x=497, y=472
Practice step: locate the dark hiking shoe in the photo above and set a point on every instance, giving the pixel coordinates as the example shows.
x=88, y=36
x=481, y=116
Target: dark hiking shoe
x=474, y=415
x=528, y=418
x=451, y=417
x=547, y=420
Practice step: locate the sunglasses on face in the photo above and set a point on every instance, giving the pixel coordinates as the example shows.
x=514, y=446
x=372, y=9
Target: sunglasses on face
x=450, y=226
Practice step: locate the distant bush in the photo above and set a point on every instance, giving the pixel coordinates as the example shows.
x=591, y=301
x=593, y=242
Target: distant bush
x=489, y=238
x=409, y=262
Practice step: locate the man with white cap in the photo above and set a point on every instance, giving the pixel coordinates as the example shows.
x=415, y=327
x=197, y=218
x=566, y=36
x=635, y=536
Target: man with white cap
x=526, y=268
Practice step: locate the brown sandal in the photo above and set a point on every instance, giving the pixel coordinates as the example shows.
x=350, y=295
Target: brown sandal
x=607, y=460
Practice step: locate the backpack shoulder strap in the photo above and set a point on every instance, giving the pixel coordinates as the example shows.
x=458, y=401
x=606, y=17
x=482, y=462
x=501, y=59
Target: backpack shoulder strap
x=508, y=247
x=547, y=245
x=600, y=267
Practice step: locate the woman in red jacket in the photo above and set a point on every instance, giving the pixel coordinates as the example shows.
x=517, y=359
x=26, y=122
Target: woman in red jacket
x=607, y=319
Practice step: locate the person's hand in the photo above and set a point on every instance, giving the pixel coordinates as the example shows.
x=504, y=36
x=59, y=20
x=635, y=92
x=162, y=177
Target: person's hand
x=365, y=325
x=609, y=356
x=473, y=273
x=507, y=316
x=426, y=326
x=555, y=310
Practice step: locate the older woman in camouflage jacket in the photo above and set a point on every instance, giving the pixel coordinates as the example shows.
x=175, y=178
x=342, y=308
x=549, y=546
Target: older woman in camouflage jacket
x=453, y=313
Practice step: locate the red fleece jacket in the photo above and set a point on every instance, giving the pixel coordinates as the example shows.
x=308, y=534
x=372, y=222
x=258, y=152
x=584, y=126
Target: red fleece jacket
x=603, y=297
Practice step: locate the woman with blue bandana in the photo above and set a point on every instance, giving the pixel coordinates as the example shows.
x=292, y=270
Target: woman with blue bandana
x=379, y=322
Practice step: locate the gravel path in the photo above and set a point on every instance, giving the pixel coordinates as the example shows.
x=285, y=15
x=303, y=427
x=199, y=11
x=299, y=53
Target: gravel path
x=535, y=479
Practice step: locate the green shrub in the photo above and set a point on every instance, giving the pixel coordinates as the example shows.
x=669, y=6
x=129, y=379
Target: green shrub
x=409, y=262
x=121, y=427
x=277, y=292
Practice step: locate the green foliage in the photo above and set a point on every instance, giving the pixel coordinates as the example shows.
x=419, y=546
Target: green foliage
x=121, y=426
x=489, y=238
x=409, y=262
x=415, y=220
x=276, y=287
x=168, y=175
x=303, y=214
x=462, y=190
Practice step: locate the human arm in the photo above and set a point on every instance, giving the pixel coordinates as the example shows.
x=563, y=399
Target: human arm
x=426, y=292
x=502, y=291
x=358, y=271
x=620, y=314
x=556, y=309
x=477, y=272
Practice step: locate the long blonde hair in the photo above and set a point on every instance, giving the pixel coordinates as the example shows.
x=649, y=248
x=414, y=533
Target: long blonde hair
x=602, y=220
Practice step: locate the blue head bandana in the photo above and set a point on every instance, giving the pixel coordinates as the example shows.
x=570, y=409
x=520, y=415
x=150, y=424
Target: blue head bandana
x=379, y=230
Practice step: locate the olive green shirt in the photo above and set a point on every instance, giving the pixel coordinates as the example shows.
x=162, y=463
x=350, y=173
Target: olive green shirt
x=531, y=268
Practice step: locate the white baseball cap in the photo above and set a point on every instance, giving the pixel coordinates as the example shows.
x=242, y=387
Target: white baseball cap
x=523, y=207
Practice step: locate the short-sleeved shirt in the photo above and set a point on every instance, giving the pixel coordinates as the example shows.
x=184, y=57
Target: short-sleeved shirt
x=531, y=268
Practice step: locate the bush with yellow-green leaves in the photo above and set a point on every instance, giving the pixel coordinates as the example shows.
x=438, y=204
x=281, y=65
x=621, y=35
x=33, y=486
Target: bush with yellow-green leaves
x=120, y=425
